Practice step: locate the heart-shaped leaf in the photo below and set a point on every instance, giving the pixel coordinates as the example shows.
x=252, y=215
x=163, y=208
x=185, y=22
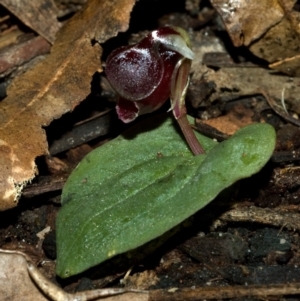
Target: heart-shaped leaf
x=136, y=187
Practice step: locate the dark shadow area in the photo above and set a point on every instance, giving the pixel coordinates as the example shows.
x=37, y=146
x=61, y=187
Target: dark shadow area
x=239, y=54
x=144, y=17
x=145, y=125
x=96, y=104
x=146, y=13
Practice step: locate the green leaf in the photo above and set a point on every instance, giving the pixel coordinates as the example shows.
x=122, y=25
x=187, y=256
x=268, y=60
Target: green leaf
x=136, y=187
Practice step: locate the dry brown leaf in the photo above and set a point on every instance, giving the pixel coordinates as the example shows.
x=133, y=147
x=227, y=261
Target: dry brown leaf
x=53, y=87
x=270, y=28
x=291, y=11
x=290, y=62
x=22, y=280
x=279, y=42
x=247, y=21
x=39, y=15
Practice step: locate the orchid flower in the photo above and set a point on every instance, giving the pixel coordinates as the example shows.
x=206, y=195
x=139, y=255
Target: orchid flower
x=147, y=74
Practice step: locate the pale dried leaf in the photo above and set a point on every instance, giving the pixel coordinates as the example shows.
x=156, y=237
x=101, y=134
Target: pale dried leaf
x=291, y=13
x=16, y=283
x=278, y=43
x=270, y=28
x=39, y=15
x=282, y=40
x=247, y=21
x=20, y=279
x=53, y=87
x=290, y=61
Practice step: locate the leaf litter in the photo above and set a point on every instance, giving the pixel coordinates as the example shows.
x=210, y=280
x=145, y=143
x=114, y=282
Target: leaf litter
x=21, y=280
x=53, y=87
x=45, y=21
x=294, y=92
x=269, y=28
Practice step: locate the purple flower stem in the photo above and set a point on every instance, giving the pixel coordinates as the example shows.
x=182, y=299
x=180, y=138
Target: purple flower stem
x=190, y=136
x=179, y=87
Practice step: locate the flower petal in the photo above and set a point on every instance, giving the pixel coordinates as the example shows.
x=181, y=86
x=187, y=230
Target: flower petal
x=134, y=72
x=126, y=110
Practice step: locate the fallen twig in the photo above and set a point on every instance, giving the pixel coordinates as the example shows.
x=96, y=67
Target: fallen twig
x=266, y=216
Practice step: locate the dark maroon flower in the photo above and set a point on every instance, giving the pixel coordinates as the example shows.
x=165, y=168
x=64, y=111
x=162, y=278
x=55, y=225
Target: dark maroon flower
x=142, y=74
x=145, y=75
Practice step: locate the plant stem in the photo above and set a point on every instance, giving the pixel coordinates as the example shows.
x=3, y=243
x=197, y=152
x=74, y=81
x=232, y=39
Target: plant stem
x=190, y=136
x=180, y=83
